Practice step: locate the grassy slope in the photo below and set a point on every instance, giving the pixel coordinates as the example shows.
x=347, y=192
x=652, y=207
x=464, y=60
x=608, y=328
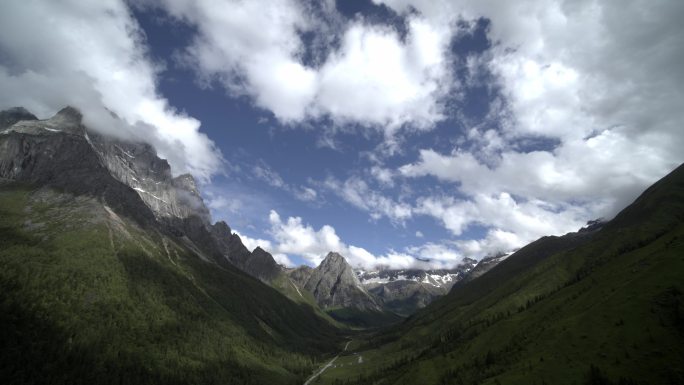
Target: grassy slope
x=87, y=297
x=599, y=310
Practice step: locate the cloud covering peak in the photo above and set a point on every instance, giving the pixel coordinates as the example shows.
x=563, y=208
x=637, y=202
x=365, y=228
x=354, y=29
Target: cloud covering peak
x=92, y=55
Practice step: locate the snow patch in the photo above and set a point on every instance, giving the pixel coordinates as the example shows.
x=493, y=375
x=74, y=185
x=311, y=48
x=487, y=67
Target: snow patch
x=150, y=194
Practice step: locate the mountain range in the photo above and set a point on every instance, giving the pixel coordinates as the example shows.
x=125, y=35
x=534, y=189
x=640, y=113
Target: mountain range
x=113, y=272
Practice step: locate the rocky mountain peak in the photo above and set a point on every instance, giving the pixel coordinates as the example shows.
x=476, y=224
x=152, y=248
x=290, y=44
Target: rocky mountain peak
x=222, y=229
x=334, y=259
x=70, y=114
x=186, y=182
x=13, y=115
x=68, y=119
x=334, y=284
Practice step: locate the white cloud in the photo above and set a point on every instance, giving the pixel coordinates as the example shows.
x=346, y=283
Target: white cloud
x=92, y=56
x=511, y=224
x=253, y=243
x=357, y=192
x=263, y=172
x=373, y=77
x=383, y=175
x=294, y=237
x=601, y=79
x=377, y=79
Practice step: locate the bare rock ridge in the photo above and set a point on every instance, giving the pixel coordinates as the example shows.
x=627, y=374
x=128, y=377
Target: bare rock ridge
x=258, y=263
x=129, y=177
x=334, y=284
x=13, y=115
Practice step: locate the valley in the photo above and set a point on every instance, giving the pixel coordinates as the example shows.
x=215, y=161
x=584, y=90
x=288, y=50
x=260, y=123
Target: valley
x=113, y=272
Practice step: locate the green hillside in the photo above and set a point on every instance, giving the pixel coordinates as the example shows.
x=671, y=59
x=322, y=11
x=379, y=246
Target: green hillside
x=87, y=296
x=604, y=307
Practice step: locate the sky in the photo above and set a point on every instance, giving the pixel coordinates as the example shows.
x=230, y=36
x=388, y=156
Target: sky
x=400, y=133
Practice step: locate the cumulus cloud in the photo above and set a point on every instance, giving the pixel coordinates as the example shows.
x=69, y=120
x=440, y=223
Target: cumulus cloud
x=359, y=194
x=252, y=243
x=265, y=173
x=294, y=237
x=92, y=55
x=598, y=80
x=511, y=223
x=367, y=74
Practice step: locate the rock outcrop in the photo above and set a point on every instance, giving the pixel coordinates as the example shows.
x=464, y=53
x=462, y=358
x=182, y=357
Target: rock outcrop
x=334, y=284
x=258, y=263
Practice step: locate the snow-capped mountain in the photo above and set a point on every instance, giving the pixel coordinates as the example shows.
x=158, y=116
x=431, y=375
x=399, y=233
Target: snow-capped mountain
x=405, y=291
x=437, y=278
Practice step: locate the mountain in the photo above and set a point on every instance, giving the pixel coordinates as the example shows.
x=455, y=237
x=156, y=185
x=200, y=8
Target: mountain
x=334, y=284
x=484, y=265
x=14, y=115
x=111, y=272
x=405, y=291
x=338, y=291
x=258, y=263
x=603, y=305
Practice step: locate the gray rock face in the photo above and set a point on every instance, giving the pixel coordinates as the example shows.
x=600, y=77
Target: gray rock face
x=61, y=152
x=55, y=153
x=259, y=263
x=14, y=115
x=67, y=121
x=334, y=284
x=138, y=166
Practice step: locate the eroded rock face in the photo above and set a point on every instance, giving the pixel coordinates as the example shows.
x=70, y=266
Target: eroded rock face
x=138, y=166
x=61, y=152
x=334, y=284
x=56, y=153
x=258, y=263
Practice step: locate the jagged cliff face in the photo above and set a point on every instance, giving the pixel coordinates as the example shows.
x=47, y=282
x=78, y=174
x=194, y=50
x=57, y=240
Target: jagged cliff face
x=61, y=152
x=67, y=142
x=137, y=165
x=56, y=153
x=259, y=263
x=334, y=284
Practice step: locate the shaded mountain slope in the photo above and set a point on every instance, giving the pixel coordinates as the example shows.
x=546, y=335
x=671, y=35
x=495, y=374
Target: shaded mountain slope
x=88, y=294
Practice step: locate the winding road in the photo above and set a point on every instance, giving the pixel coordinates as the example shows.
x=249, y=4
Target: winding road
x=329, y=364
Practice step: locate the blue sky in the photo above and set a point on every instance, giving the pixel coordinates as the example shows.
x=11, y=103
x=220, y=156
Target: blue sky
x=388, y=130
